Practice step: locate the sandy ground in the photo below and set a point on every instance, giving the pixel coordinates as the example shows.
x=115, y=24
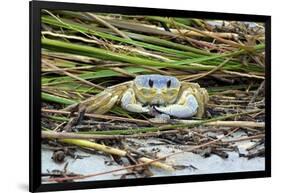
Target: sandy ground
x=96, y=163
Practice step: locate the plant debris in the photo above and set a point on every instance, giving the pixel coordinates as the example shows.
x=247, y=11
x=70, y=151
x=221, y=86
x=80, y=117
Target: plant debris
x=83, y=53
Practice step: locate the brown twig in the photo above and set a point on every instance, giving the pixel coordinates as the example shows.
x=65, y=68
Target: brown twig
x=243, y=74
x=103, y=22
x=74, y=135
x=211, y=71
x=245, y=138
x=98, y=116
x=257, y=93
x=73, y=76
x=228, y=123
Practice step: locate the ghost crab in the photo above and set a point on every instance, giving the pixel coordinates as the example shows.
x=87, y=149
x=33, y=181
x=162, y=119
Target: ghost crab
x=157, y=95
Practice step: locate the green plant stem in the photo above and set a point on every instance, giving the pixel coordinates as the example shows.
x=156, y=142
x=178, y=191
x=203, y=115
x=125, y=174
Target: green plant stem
x=71, y=25
x=108, y=55
x=57, y=99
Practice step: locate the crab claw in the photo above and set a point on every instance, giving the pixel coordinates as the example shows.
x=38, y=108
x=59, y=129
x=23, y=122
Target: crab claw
x=187, y=109
x=129, y=103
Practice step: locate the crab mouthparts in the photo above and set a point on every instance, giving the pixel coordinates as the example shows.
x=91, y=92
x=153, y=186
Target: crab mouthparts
x=157, y=101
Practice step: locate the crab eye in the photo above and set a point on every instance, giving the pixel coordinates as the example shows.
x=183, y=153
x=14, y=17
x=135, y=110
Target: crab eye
x=150, y=83
x=168, y=83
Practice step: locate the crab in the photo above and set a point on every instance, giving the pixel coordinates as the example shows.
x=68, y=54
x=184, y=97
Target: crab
x=154, y=94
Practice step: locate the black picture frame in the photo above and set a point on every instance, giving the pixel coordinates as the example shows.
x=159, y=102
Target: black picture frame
x=35, y=184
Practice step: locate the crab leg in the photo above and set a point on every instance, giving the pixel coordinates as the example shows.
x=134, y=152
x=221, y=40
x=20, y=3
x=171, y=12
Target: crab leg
x=106, y=107
x=129, y=102
x=186, y=106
